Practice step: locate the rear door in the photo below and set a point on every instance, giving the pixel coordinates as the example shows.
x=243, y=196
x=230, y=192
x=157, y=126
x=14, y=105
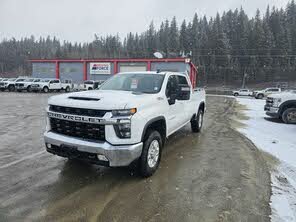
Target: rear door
x=55, y=84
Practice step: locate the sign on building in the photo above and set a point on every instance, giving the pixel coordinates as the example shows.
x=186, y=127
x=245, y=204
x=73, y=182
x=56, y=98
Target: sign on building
x=98, y=68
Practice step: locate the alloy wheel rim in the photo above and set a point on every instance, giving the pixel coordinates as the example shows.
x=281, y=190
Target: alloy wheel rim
x=153, y=153
x=292, y=116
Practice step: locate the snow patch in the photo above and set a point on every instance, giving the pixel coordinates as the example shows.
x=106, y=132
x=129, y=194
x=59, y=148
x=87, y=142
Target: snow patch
x=278, y=139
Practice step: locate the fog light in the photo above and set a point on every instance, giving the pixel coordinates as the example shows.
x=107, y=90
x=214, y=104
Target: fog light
x=48, y=146
x=102, y=157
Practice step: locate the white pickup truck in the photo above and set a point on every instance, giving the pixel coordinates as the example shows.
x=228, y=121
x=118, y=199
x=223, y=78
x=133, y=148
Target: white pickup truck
x=8, y=84
x=47, y=85
x=126, y=121
x=266, y=92
x=242, y=92
x=91, y=84
x=282, y=106
x=25, y=84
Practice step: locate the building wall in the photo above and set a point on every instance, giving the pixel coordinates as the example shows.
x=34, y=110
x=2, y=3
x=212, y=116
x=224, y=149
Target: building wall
x=43, y=70
x=73, y=71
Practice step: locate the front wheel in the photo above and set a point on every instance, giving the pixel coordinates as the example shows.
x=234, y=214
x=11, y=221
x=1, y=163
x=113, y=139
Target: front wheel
x=235, y=94
x=45, y=89
x=151, y=153
x=68, y=89
x=29, y=89
x=289, y=116
x=197, y=121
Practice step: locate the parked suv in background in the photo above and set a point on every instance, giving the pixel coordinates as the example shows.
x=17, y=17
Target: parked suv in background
x=283, y=106
x=242, y=92
x=266, y=92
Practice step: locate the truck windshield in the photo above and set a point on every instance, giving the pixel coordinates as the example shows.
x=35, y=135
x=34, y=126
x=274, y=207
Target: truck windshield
x=142, y=83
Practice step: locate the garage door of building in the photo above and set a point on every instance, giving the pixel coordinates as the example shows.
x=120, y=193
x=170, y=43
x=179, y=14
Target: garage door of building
x=132, y=68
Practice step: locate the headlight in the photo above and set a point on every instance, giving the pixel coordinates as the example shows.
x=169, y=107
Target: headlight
x=123, y=129
x=277, y=102
x=124, y=112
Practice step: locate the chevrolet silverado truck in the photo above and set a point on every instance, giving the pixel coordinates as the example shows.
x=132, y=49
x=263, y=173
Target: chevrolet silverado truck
x=48, y=85
x=282, y=106
x=126, y=121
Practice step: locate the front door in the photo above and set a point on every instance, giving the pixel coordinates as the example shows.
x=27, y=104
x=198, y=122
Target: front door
x=174, y=108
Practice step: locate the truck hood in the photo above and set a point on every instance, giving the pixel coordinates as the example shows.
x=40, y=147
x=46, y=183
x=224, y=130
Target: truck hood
x=103, y=100
x=284, y=95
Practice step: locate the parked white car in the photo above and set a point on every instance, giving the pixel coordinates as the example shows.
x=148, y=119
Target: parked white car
x=282, y=106
x=47, y=85
x=243, y=92
x=126, y=120
x=266, y=92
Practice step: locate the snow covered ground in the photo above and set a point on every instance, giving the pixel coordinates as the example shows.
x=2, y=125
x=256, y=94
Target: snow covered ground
x=278, y=139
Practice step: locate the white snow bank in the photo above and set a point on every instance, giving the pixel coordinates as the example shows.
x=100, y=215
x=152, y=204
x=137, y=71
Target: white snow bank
x=278, y=139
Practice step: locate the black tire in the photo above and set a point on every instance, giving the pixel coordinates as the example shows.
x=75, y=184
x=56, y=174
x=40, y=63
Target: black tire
x=45, y=89
x=89, y=88
x=260, y=96
x=11, y=88
x=197, y=121
x=147, y=168
x=289, y=116
x=68, y=89
x=235, y=94
x=29, y=89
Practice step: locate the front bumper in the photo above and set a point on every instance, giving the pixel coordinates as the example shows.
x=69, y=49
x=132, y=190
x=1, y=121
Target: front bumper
x=271, y=111
x=119, y=155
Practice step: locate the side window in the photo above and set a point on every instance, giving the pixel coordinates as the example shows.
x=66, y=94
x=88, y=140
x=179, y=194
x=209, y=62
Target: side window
x=171, y=89
x=56, y=81
x=183, y=88
x=52, y=81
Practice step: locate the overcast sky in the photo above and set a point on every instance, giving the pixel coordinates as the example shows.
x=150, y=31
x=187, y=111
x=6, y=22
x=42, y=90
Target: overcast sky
x=75, y=20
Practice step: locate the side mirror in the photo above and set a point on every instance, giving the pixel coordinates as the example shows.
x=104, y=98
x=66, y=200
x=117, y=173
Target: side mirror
x=172, y=99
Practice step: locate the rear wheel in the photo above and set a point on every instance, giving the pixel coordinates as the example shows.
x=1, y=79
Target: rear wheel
x=235, y=94
x=151, y=153
x=260, y=96
x=197, y=121
x=68, y=89
x=45, y=89
x=289, y=116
